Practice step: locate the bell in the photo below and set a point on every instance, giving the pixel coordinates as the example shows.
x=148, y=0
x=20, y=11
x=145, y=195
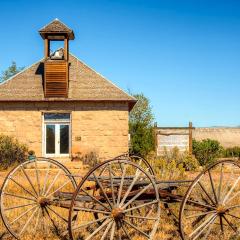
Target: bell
x=58, y=54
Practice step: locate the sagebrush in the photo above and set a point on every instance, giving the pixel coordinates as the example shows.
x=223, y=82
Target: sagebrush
x=11, y=151
x=173, y=164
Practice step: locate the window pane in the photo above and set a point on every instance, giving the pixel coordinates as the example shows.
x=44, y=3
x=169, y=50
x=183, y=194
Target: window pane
x=64, y=139
x=57, y=116
x=50, y=139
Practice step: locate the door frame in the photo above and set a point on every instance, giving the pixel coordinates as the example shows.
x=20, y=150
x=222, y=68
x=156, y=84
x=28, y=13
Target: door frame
x=57, y=136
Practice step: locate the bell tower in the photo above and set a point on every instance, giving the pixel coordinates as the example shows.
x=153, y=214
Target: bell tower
x=56, y=63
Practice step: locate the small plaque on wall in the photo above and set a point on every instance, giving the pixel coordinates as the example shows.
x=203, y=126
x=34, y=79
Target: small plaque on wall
x=78, y=138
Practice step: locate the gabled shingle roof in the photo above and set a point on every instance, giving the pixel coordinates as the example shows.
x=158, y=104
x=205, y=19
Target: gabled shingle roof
x=84, y=85
x=56, y=26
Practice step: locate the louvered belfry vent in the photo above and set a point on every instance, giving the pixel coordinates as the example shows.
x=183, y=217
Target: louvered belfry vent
x=56, y=78
x=56, y=63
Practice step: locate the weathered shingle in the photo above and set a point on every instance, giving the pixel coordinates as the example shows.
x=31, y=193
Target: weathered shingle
x=56, y=26
x=84, y=85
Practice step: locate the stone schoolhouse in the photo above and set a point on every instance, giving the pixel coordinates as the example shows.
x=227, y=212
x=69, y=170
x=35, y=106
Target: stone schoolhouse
x=59, y=106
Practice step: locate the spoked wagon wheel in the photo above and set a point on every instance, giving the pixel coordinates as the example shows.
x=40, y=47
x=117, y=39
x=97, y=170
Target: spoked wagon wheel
x=27, y=195
x=119, y=192
x=211, y=206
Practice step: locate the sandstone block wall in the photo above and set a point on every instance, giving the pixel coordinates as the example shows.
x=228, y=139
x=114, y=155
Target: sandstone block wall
x=99, y=127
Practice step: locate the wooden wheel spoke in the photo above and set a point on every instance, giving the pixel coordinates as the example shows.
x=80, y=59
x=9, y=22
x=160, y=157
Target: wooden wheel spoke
x=200, y=214
x=27, y=223
x=19, y=206
x=199, y=204
x=50, y=194
x=126, y=232
x=205, y=191
x=231, y=189
x=18, y=196
x=202, y=226
x=102, y=189
x=21, y=186
x=212, y=185
x=57, y=214
x=136, y=228
x=193, y=209
x=29, y=180
x=90, y=210
x=234, y=228
x=111, y=180
x=22, y=215
x=99, y=229
x=43, y=221
x=224, y=191
x=106, y=231
x=52, y=183
x=233, y=197
x=53, y=222
x=45, y=179
x=96, y=200
x=209, y=230
x=232, y=207
x=210, y=223
x=137, y=195
x=121, y=183
x=37, y=176
x=221, y=223
x=220, y=183
x=232, y=215
x=89, y=223
x=140, y=206
x=113, y=231
x=140, y=217
x=37, y=220
x=137, y=174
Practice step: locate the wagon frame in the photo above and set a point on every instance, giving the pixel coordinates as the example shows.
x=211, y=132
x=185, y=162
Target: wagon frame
x=119, y=198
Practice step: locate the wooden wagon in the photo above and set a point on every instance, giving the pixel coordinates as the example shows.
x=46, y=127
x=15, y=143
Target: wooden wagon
x=118, y=199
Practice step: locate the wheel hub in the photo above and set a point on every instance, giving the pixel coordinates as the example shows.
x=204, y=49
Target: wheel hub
x=42, y=201
x=117, y=213
x=221, y=209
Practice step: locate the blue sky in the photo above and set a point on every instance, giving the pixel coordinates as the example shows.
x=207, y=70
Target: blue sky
x=183, y=55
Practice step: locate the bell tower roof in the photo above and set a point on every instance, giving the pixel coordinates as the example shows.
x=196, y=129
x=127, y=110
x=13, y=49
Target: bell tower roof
x=56, y=27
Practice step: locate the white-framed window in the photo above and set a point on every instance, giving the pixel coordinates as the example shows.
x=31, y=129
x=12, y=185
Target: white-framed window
x=56, y=134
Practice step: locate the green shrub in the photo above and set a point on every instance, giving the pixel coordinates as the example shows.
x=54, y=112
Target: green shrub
x=207, y=151
x=11, y=151
x=232, y=152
